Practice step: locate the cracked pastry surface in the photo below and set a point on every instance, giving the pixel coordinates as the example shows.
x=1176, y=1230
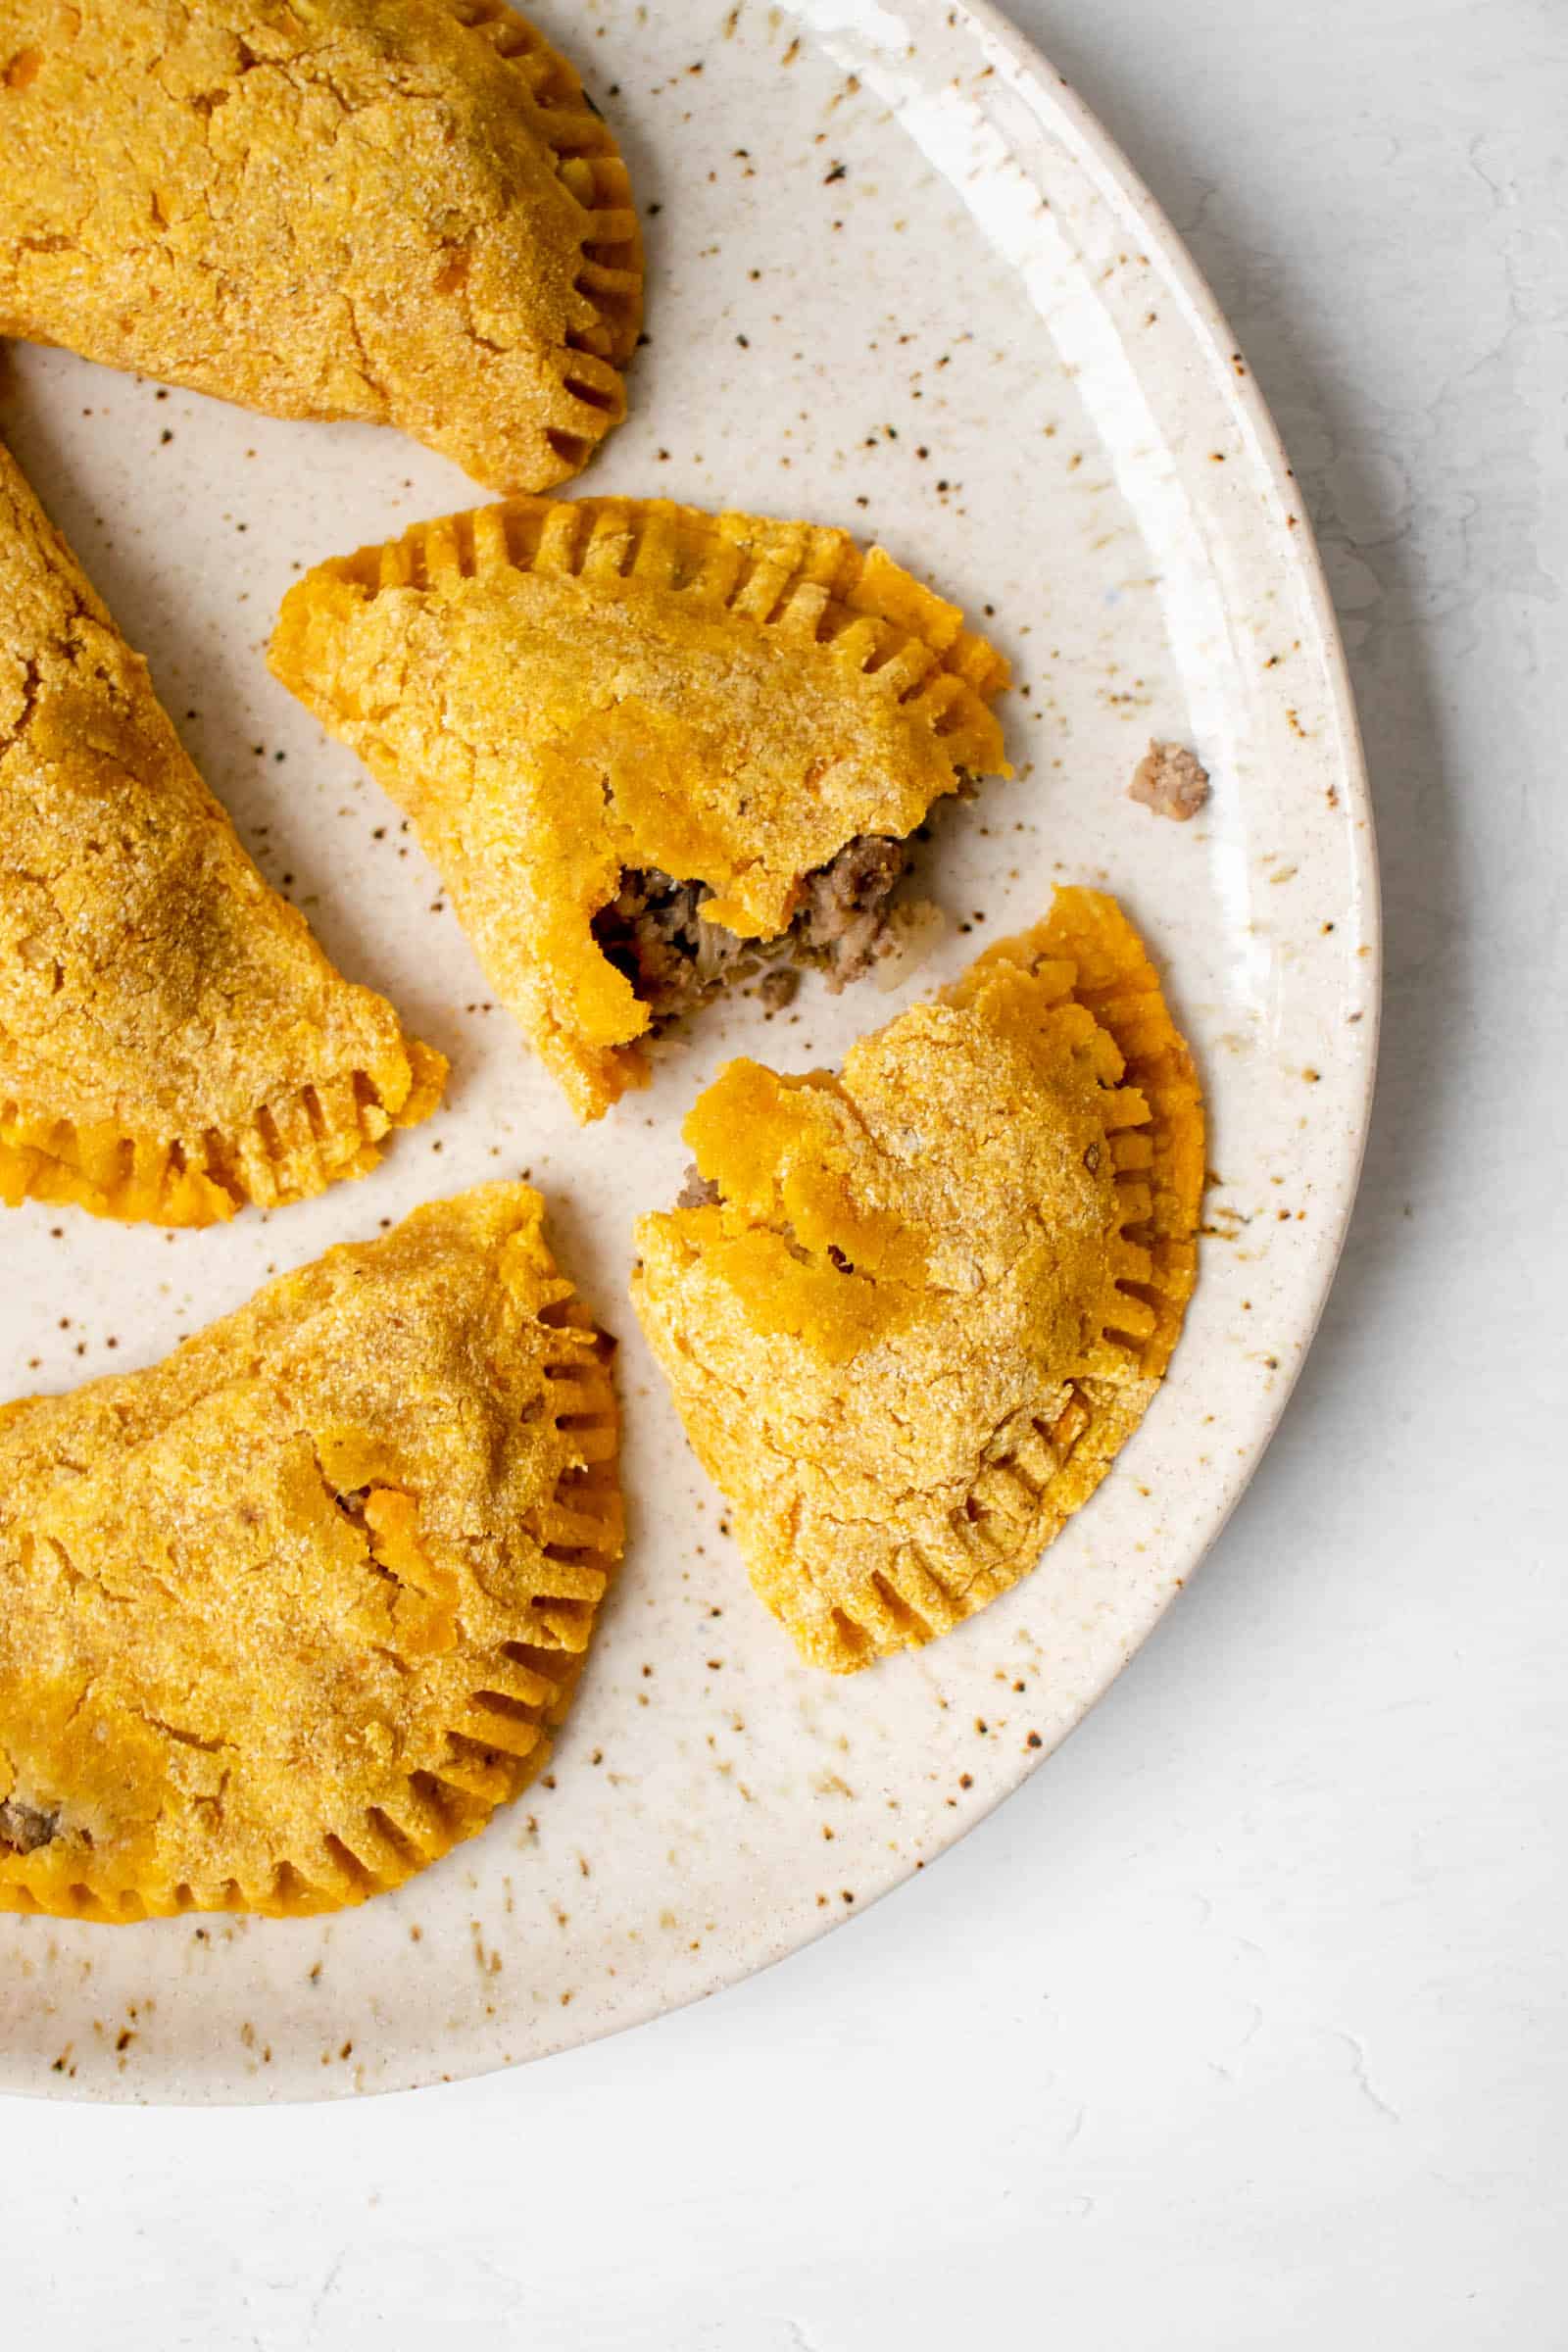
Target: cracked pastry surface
x=633, y=735
x=914, y=1311
x=404, y=211
x=172, y=1041
x=286, y=1616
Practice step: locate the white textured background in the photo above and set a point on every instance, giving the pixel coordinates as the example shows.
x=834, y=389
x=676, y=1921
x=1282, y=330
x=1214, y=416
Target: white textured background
x=1243, y=2024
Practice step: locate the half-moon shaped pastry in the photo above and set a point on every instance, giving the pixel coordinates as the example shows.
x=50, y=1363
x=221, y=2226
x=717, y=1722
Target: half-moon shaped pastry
x=400, y=211
x=917, y=1309
x=644, y=744
x=285, y=1617
x=172, y=1041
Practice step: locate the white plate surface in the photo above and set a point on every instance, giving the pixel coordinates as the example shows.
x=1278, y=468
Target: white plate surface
x=899, y=279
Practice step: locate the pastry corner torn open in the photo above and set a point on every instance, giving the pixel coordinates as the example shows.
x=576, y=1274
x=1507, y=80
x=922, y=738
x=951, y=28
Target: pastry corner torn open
x=916, y=1308
x=651, y=750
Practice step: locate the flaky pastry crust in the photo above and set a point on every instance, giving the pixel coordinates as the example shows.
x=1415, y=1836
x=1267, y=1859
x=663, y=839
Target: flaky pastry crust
x=936, y=1292
x=400, y=211
x=172, y=1041
x=285, y=1617
x=560, y=692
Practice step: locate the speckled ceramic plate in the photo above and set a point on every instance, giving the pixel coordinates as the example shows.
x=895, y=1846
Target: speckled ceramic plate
x=899, y=279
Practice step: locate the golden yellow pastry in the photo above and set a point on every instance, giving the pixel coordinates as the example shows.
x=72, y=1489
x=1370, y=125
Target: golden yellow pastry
x=400, y=211
x=285, y=1617
x=172, y=1041
x=913, y=1311
x=635, y=737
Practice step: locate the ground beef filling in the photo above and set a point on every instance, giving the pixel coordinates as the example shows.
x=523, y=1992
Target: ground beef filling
x=653, y=931
x=697, y=1191
x=700, y=1192
x=776, y=988
x=24, y=1827
x=1171, y=780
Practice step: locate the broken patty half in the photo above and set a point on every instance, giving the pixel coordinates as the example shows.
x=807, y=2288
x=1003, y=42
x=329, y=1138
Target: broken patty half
x=652, y=751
